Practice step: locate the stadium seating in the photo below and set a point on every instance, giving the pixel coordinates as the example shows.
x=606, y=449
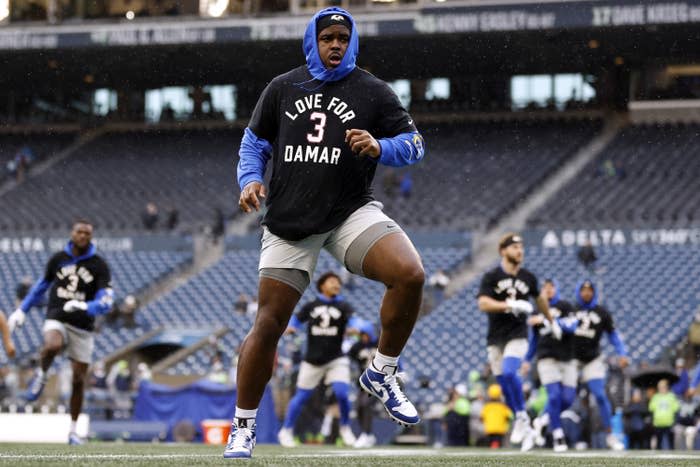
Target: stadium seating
x=648, y=289
x=476, y=172
x=621, y=187
x=131, y=272
x=473, y=173
x=34, y=147
x=111, y=179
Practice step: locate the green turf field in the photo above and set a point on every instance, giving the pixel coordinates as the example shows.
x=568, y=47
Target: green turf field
x=114, y=454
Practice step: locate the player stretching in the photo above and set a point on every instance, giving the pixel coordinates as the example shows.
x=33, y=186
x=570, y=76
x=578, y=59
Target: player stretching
x=503, y=295
x=328, y=316
x=326, y=126
x=593, y=321
x=555, y=364
x=80, y=290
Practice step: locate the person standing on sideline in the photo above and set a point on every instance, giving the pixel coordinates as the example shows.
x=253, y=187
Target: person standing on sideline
x=324, y=127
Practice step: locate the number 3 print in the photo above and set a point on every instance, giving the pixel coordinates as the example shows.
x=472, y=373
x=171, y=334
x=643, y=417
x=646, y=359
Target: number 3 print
x=319, y=128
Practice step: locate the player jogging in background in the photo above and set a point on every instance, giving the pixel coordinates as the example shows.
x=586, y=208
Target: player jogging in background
x=593, y=321
x=504, y=295
x=80, y=289
x=556, y=366
x=326, y=318
x=325, y=126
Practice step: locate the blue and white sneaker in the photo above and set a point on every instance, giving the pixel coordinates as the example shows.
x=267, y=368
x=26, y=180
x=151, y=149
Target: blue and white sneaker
x=74, y=439
x=241, y=441
x=36, y=387
x=386, y=388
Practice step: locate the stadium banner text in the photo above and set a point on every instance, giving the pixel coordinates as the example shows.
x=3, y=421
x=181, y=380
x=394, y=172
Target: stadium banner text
x=435, y=20
x=611, y=237
x=29, y=244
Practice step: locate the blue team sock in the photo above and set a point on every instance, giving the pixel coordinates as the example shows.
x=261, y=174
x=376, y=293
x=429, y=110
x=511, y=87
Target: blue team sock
x=568, y=396
x=511, y=365
x=505, y=390
x=341, y=391
x=295, y=406
x=597, y=387
x=553, y=408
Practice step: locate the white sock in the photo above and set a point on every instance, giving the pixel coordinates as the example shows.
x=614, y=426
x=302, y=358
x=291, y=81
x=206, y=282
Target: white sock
x=246, y=413
x=384, y=363
x=558, y=433
x=73, y=426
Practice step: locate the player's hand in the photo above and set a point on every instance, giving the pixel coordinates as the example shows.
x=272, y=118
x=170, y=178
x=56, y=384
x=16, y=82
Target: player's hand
x=525, y=367
x=535, y=320
x=519, y=307
x=623, y=361
x=10, y=349
x=16, y=319
x=556, y=329
x=362, y=143
x=74, y=305
x=251, y=195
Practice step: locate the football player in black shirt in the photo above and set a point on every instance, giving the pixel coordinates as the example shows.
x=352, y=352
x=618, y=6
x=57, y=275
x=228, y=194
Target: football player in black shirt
x=504, y=296
x=362, y=353
x=326, y=319
x=555, y=363
x=595, y=320
x=324, y=127
x=80, y=289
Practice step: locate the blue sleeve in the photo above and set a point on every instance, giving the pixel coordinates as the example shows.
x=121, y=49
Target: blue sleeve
x=102, y=303
x=568, y=325
x=355, y=322
x=616, y=341
x=295, y=323
x=533, y=338
x=254, y=154
x=403, y=149
x=35, y=295
x=696, y=379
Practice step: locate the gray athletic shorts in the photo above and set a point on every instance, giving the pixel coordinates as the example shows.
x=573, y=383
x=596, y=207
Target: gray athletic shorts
x=595, y=369
x=78, y=342
x=337, y=370
x=278, y=253
x=513, y=348
x=555, y=371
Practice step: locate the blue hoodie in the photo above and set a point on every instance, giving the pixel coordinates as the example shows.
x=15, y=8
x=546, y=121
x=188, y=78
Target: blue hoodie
x=313, y=60
x=594, y=301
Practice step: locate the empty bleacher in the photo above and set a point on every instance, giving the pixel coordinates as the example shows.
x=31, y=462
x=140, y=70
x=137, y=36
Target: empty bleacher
x=473, y=173
x=646, y=177
x=34, y=147
x=111, y=179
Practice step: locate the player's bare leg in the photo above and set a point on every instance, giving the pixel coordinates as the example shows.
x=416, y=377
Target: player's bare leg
x=394, y=261
x=53, y=345
x=76, y=398
x=276, y=304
